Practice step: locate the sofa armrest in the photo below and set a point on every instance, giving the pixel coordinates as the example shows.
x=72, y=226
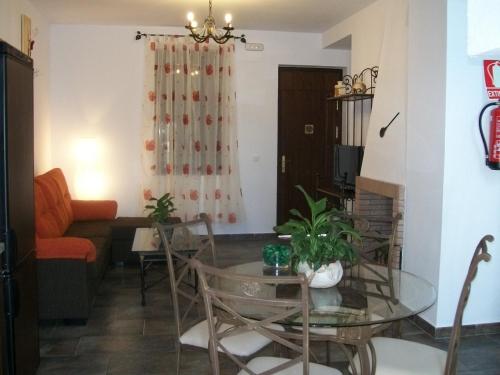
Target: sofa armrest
x=84, y=210
x=65, y=248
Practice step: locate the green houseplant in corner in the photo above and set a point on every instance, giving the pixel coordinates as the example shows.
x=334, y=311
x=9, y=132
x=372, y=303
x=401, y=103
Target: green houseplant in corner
x=162, y=209
x=320, y=242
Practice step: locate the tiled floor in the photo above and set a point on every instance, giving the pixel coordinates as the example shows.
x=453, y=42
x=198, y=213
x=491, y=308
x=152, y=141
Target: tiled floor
x=122, y=337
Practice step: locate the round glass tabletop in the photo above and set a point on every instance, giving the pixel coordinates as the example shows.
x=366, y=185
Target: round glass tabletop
x=367, y=294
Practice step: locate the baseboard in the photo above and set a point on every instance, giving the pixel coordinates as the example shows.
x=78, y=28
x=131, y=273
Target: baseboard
x=246, y=236
x=467, y=330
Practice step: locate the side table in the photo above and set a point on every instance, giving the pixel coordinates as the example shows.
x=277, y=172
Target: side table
x=147, y=245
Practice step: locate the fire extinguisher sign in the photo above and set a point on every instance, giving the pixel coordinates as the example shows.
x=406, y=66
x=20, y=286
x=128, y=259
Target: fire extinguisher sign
x=492, y=78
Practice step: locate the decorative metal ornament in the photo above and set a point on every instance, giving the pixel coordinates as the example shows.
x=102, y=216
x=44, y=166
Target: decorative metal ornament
x=209, y=30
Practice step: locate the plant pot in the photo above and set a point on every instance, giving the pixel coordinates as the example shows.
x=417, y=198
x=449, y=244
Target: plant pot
x=324, y=277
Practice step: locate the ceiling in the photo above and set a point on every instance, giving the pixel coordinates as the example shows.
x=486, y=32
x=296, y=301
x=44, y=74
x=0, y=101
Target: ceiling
x=279, y=15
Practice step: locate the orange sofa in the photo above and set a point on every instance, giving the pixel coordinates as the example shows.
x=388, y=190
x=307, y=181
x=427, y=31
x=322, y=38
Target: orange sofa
x=73, y=246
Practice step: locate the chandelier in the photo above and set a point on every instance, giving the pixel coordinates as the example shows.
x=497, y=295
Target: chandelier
x=209, y=29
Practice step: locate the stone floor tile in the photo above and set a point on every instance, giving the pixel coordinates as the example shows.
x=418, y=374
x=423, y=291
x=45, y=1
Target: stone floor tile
x=75, y=365
x=58, y=347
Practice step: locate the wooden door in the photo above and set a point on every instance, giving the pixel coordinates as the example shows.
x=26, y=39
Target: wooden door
x=304, y=139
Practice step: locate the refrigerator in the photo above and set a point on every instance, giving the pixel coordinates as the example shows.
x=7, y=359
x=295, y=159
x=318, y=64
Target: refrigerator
x=19, y=350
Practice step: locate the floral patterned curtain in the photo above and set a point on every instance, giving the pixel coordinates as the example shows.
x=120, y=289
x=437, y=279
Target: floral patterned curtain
x=189, y=128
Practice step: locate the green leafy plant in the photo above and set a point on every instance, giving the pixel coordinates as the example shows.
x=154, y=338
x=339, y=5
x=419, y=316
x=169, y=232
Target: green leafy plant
x=161, y=210
x=323, y=238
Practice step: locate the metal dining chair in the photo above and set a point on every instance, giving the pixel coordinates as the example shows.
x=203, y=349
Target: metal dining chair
x=227, y=296
x=396, y=356
x=184, y=242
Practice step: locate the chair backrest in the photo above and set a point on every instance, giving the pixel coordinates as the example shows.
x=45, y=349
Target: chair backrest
x=227, y=294
x=480, y=254
x=182, y=242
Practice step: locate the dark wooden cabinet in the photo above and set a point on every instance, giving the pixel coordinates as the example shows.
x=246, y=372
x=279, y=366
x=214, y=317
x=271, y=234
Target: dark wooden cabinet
x=18, y=310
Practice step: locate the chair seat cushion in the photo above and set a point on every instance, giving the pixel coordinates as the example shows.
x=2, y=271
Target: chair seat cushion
x=243, y=344
x=261, y=364
x=402, y=357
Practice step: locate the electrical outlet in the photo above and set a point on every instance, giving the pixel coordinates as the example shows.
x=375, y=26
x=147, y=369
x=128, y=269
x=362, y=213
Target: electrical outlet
x=254, y=46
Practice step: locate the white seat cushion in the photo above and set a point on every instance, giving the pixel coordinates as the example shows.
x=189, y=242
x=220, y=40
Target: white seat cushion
x=261, y=364
x=243, y=344
x=402, y=357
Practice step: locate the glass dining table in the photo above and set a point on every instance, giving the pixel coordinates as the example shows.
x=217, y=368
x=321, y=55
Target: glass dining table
x=368, y=296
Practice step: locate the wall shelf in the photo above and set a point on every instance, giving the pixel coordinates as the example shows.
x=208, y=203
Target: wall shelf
x=346, y=115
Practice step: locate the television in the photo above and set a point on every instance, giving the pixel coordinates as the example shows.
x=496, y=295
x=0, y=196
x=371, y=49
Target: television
x=346, y=165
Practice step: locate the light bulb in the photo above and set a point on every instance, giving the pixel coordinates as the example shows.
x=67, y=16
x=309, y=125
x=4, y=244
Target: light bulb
x=228, y=18
x=190, y=16
x=194, y=24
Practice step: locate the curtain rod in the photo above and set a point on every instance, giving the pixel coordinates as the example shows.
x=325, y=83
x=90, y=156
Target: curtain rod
x=139, y=35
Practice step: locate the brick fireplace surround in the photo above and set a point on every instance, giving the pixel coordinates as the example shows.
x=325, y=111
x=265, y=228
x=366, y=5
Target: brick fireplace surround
x=379, y=198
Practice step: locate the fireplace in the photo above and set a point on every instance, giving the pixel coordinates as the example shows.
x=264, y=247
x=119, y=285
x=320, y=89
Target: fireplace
x=380, y=198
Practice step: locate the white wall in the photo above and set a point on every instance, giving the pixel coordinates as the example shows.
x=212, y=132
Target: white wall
x=483, y=28
x=96, y=91
x=10, y=31
x=385, y=157
x=425, y=141
x=471, y=199
x=366, y=28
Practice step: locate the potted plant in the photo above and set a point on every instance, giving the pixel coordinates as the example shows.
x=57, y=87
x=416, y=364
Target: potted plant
x=320, y=242
x=162, y=208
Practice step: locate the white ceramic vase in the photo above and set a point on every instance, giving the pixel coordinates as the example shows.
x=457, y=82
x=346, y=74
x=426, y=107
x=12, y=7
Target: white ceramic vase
x=324, y=277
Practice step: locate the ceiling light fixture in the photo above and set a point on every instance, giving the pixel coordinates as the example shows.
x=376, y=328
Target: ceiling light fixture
x=209, y=29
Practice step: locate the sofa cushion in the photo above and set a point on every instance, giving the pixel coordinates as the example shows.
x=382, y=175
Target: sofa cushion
x=53, y=213
x=93, y=210
x=65, y=248
x=88, y=229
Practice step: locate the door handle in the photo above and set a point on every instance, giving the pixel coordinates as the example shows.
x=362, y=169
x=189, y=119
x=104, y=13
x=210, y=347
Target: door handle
x=283, y=164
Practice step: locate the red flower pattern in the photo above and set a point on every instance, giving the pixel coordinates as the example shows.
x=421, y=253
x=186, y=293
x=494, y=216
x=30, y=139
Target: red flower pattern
x=168, y=119
x=231, y=218
x=197, y=146
x=196, y=96
x=218, y=194
x=185, y=169
x=193, y=195
x=208, y=120
x=219, y=146
x=210, y=170
x=152, y=46
x=197, y=47
x=185, y=119
x=150, y=145
x=167, y=68
x=147, y=194
x=168, y=168
x=152, y=96
x=185, y=69
x=209, y=69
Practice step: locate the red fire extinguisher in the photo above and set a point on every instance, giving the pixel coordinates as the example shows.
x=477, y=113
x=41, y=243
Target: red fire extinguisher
x=492, y=155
